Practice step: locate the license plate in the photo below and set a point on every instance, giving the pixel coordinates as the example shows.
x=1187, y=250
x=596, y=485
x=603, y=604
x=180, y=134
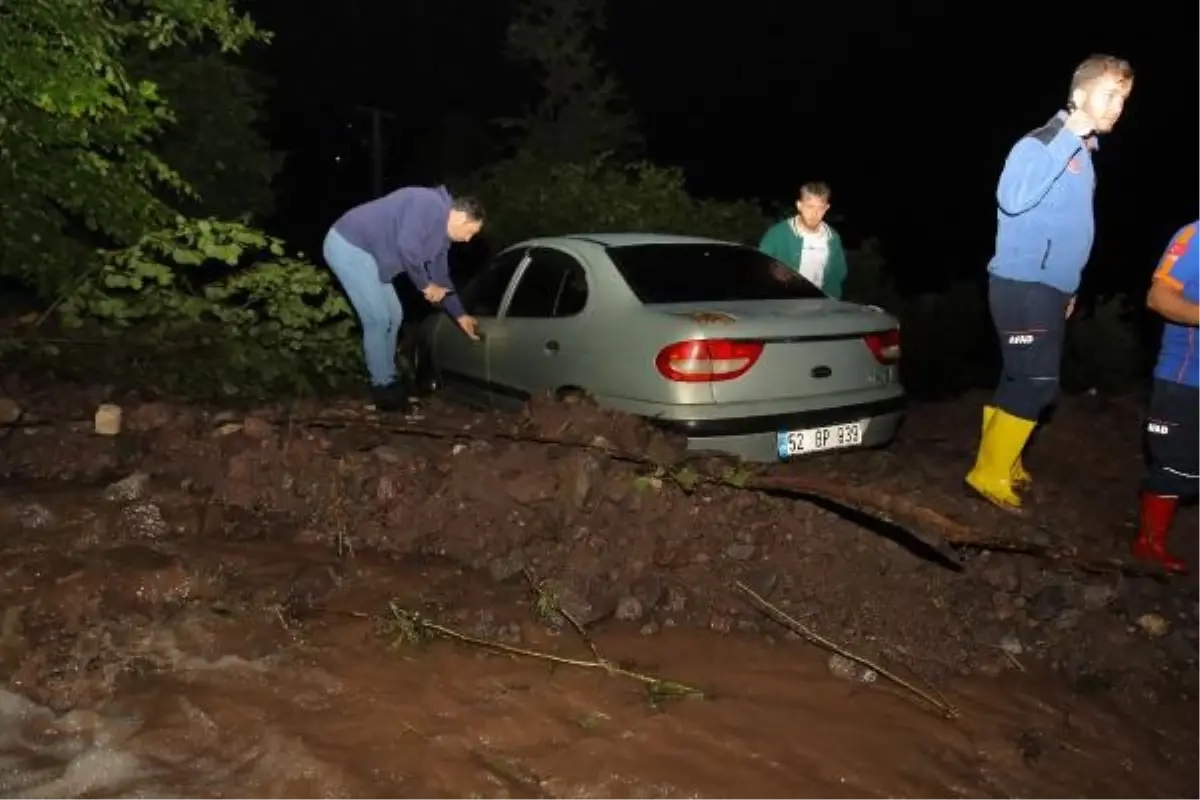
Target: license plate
x=815, y=440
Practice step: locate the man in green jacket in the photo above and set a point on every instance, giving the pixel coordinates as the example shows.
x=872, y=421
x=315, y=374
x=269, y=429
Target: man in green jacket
x=807, y=244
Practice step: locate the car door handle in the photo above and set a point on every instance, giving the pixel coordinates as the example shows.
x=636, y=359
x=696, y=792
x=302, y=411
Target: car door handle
x=552, y=346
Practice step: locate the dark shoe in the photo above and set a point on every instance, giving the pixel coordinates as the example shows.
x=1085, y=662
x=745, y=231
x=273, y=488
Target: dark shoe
x=390, y=398
x=1154, y=525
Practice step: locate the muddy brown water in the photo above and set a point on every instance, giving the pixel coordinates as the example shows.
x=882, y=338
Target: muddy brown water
x=229, y=694
x=223, y=629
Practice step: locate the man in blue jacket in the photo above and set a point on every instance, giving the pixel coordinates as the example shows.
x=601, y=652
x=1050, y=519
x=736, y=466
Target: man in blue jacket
x=1044, y=237
x=407, y=232
x=1173, y=423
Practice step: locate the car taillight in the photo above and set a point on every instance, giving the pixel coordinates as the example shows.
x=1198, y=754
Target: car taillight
x=707, y=360
x=885, y=346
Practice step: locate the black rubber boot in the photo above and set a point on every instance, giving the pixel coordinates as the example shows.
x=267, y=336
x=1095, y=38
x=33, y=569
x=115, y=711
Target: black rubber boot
x=390, y=398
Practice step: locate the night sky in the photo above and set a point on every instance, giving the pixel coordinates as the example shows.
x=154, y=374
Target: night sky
x=906, y=109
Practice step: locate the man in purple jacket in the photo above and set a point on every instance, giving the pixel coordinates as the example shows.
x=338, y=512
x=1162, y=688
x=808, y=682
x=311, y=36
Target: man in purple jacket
x=406, y=232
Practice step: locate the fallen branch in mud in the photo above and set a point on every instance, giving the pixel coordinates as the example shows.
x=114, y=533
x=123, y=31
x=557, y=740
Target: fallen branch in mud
x=928, y=527
x=932, y=698
x=411, y=627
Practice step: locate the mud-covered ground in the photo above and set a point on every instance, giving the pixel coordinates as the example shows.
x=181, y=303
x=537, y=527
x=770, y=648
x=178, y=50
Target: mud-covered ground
x=204, y=603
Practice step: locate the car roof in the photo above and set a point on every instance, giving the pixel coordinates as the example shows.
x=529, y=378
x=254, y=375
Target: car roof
x=631, y=238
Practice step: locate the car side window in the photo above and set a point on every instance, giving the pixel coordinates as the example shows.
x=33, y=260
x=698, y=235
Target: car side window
x=552, y=285
x=483, y=294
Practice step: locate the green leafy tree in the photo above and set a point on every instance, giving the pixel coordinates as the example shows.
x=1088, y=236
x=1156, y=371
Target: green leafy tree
x=77, y=164
x=263, y=323
x=216, y=143
x=530, y=197
x=576, y=165
x=582, y=112
x=97, y=168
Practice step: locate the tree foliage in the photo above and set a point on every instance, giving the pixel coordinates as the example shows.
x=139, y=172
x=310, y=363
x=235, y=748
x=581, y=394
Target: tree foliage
x=77, y=126
x=576, y=165
x=582, y=111
x=532, y=197
x=271, y=322
x=117, y=117
x=216, y=143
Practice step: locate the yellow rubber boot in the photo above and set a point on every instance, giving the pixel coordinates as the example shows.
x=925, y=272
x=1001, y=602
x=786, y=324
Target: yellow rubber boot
x=1020, y=476
x=1002, y=444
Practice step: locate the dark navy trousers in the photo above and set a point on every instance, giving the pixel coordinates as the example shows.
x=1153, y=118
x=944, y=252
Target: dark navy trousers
x=1030, y=319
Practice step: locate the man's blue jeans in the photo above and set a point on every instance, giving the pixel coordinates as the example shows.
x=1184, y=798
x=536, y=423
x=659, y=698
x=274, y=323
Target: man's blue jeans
x=378, y=308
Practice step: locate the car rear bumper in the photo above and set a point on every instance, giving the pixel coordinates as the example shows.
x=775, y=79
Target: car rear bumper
x=756, y=438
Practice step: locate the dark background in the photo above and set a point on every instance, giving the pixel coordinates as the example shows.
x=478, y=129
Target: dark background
x=906, y=109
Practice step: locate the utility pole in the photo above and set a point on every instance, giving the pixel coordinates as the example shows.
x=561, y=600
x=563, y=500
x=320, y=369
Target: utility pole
x=377, y=117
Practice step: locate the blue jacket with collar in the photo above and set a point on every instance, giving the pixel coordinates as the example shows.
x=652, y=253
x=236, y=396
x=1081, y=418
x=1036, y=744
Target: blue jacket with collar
x=1045, y=221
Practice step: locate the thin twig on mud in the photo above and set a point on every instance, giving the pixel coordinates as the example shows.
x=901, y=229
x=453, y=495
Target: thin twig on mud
x=931, y=697
x=412, y=627
x=337, y=503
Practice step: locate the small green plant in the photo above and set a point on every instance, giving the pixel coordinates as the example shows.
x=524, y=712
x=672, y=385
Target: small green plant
x=262, y=321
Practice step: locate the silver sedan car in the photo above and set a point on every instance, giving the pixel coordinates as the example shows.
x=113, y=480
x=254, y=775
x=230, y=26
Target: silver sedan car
x=714, y=339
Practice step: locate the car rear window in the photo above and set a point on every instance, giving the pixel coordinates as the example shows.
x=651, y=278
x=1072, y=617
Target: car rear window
x=706, y=273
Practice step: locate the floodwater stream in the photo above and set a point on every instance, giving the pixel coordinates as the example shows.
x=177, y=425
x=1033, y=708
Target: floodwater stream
x=197, y=669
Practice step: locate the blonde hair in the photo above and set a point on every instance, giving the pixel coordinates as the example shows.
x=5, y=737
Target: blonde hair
x=1097, y=66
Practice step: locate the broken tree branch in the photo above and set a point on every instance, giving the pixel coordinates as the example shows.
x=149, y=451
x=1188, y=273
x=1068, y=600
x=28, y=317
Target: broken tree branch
x=932, y=697
x=925, y=525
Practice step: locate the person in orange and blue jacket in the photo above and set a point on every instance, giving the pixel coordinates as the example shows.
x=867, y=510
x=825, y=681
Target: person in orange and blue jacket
x=1173, y=420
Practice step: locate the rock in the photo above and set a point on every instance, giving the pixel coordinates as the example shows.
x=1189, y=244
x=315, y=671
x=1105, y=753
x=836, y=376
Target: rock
x=509, y=633
x=762, y=581
x=720, y=623
x=131, y=487
x=149, y=417
x=35, y=517
x=1004, y=605
x=1002, y=576
x=387, y=454
x=649, y=591
x=1153, y=625
x=385, y=489
x=143, y=521
x=1049, y=602
x=532, y=487
x=740, y=551
x=1067, y=619
x=108, y=419
x=227, y=428
x=676, y=600
x=257, y=428
x=507, y=566
x=1012, y=645
x=1097, y=597
x=629, y=609
x=585, y=476
x=650, y=628
x=10, y=412
x=848, y=669
x=574, y=603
